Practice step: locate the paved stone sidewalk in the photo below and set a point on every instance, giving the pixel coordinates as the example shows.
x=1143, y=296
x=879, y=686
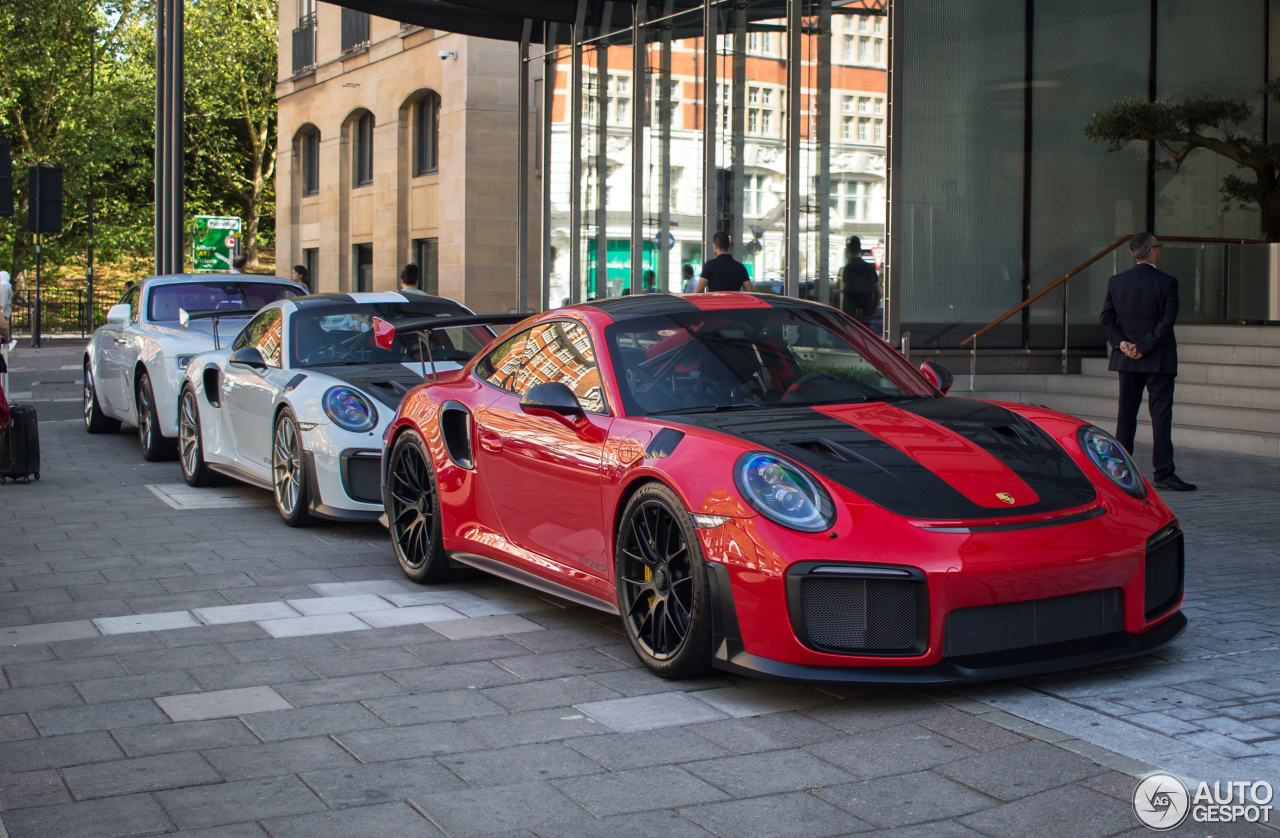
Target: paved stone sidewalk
x=179, y=664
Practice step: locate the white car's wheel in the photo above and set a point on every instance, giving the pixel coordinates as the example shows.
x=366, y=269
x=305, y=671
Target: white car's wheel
x=289, y=471
x=95, y=421
x=153, y=444
x=190, y=445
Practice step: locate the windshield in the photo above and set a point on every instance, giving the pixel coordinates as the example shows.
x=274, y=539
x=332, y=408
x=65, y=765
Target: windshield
x=753, y=358
x=165, y=300
x=343, y=334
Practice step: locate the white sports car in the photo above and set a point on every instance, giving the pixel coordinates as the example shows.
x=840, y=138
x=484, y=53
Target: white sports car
x=133, y=365
x=299, y=402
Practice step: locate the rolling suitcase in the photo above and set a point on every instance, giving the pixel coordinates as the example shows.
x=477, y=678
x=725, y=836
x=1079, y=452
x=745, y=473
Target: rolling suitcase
x=20, y=445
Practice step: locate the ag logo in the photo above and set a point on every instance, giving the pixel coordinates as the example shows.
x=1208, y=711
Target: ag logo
x=1161, y=802
x=1005, y=496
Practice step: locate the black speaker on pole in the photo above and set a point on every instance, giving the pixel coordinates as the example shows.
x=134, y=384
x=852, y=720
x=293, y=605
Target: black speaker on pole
x=6, y=179
x=45, y=189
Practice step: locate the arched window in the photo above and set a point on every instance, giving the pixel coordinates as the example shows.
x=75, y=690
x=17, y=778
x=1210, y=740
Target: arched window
x=426, y=134
x=311, y=162
x=363, y=151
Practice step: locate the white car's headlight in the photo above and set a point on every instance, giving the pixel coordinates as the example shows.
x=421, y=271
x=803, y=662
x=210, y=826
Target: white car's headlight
x=350, y=409
x=782, y=492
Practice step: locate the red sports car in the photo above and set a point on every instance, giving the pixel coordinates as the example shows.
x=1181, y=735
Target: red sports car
x=760, y=484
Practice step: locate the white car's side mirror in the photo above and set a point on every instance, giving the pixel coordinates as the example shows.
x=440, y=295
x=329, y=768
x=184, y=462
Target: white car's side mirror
x=184, y=318
x=119, y=313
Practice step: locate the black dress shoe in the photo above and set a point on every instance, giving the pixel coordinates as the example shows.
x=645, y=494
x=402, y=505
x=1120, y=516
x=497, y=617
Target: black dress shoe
x=1175, y=483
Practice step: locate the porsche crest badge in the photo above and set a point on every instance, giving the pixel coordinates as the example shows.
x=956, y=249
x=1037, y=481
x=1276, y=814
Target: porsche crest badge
x=1005, y=496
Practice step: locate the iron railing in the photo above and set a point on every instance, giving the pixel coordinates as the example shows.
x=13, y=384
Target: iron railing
x=62, y=311
x=304, y=44
x=355, y=30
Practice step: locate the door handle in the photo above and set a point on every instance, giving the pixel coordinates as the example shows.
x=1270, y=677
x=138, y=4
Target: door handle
x=490, y=441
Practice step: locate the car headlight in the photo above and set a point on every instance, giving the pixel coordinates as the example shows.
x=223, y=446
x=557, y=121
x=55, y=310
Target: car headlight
x=1112, y=460
x=350, y=409
x=184, y=361
x=782, y=492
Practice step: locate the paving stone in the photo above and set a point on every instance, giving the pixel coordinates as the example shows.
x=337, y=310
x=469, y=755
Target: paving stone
x=339, y=604
x=465, y=629
x=560, y=664
x=407, y=616
x=1220, y=744
x=523, y=763
x=567, y=639
x=399, y=637
x=339, y=690
x=756, y=698
x=424, y=679
x=770, y=772
x=303, y=626
x=465, y=651
x=136, y=686
x=766, y=733
x=534, y=726
x=236, y=830
x=537, y=806
x=251, y=674
x=146, y=622
x=205, y=635
x=887, y=708
x=184, y=736
x=892, y=750
x=249, y=800
x=648, y=712
x=112, y=714
x=1163, y=723
x=1079, y=811
x=1113, y=784
x=500, y=605
x=270, y=649
x=796, y=815
x=247, y=762
x=373, y=586
x=410, y=741
x=213, y=705
x=972, y=731
x=554, y=692
x=32, y=788
x=1020, y=770
x=659, y=787
x=905, y=799
x=62, y=672
x=382, y=782
x=245, y=613
x=312, y=721
x=92, y=647
x=397, y=819
x=660, y=823
x=112, y=818
x=433, y=707
x=171, y=660
x=48, y=632
x=15, y=727
x=168, y=771
x=666, y=746
x=340, y=662
x=631, y=682
x=58, y=751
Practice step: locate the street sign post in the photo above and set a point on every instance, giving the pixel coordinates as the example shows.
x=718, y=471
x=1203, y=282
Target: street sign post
x=215, y=243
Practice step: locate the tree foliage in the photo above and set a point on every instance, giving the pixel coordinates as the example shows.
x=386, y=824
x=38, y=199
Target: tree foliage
x=1212, y=123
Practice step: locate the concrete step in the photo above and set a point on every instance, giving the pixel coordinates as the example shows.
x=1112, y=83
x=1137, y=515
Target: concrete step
x=1231, y=375
x=1217, y=353
x=1107, y=385
x=1229, y=335
x=1190, y=415
x=1210, y=439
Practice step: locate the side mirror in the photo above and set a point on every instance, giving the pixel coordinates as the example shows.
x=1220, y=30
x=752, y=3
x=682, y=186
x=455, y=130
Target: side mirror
x=555, y=400
x=250, y=357
x=184, y=318
x=937, y=375
x=119, y=313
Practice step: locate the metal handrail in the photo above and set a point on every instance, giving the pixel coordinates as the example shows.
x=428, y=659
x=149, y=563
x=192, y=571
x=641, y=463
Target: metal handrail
x=972, y=340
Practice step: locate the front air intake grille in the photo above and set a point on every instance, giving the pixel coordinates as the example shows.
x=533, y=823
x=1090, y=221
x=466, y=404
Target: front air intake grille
x=1164, y=572
x=362, y=476
x=1037, y=622
x=842, y=609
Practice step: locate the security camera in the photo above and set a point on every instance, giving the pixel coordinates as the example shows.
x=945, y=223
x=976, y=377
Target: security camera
x=446, y=54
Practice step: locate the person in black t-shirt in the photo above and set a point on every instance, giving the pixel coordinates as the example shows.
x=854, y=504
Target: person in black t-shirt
x=861, y=283
x=723, y=273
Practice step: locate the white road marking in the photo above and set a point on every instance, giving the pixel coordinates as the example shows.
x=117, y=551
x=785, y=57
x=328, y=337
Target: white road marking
x=182, y=496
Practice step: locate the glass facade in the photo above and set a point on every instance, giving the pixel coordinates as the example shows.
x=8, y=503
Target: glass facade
x=950, y=142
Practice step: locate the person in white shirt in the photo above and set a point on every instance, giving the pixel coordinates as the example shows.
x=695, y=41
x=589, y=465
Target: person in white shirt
x=690, y=281
x=6, y=306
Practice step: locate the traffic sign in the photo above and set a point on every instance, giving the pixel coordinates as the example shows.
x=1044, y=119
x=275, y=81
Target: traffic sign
x=215, y=243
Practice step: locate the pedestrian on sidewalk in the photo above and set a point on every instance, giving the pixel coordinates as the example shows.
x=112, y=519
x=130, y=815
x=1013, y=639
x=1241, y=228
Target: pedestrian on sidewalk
x=409, y=278
x=688, y=282
x=860, y=283
x=6, y=307
x=239, y=263
x=1138, y=317
x=723, y=273
x=302, y=276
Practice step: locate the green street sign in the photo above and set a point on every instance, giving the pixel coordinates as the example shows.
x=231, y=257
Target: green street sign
x=215, y=243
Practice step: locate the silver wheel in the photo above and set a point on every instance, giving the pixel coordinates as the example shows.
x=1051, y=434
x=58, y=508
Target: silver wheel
x=88, y=396
x=189, y=434
x=286, y=463
x=144, y=414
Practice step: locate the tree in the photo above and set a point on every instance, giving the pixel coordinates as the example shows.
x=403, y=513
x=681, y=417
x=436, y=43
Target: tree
x=231, y=113
x=1208, y=122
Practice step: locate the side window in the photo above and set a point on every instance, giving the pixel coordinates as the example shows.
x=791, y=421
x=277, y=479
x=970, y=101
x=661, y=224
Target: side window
x=500, y=366
x=263, y=332
x=133, y=299
x=562, y=351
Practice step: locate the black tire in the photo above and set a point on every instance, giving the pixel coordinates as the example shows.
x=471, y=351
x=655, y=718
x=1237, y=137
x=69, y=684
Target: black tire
x=413, y=511
x=95, y=421
x=289, y=477
x=663, y=592
x=153, y=444
x=190, y=442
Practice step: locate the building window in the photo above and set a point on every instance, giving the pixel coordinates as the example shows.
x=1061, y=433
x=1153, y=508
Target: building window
x=364, y=267
x=311, y=163
x=864, y=104
x=355, y=30
x=879, y=108
x=846, y=128
x=754, y=195
x=761, y=111
x=363, y=151
x=311, y=261
x=847, y=51
x=863, y=128
x=852, y=199
x=427, y=254
x=879, y=132
x=617, y=98
x=426, y=135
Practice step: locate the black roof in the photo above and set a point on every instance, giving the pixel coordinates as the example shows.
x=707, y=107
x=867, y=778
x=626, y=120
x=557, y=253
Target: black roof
x=645, y=305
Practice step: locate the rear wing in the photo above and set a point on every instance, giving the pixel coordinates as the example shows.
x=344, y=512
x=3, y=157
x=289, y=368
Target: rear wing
x=385, y=332
x=185, y=317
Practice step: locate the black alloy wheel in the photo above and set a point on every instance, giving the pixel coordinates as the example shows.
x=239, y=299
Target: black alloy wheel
x=153, y=444
x=413, y=511
x=95, y=421
x=289, y=471
x=190, y=445
x=662, y=584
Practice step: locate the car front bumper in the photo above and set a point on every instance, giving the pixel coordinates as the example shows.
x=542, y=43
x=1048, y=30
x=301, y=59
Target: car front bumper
x=335, y=467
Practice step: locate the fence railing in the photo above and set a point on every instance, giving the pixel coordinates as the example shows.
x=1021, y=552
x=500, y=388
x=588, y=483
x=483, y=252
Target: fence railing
x=304, y=45
x=62, y=311
x=355, y=29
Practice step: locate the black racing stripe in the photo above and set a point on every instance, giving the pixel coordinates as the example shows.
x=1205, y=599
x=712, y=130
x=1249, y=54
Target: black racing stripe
x=643, y=305
x=317, y=300
x=385, y=382
x=1014, y=440
x=859, y=461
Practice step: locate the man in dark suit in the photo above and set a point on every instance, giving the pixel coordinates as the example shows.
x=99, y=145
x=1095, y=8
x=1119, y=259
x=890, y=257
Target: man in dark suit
x=1138, y=318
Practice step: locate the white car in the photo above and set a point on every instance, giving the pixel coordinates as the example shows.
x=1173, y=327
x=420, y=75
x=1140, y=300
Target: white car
x=298, y=403
x=133, y=365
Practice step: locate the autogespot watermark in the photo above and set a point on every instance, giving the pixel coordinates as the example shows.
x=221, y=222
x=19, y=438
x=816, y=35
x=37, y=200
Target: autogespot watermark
x=1163, y=801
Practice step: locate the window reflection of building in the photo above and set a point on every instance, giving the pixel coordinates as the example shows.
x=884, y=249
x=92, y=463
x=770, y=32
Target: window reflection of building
x=559, y=352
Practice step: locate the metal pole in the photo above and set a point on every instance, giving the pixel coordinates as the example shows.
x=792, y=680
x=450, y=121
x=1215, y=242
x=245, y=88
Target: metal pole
x=638, y=91
x=662, y=246
x=737, y=129
x=177, y=144
x=161, y=138
x=575, y=166
x=602, y=164
x=93, y=32
x=824, y=151
x=522, y=174
x=548, y=103
x=710, y=97
x=1066, y=323
x=35, y=310
x=795, y=67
